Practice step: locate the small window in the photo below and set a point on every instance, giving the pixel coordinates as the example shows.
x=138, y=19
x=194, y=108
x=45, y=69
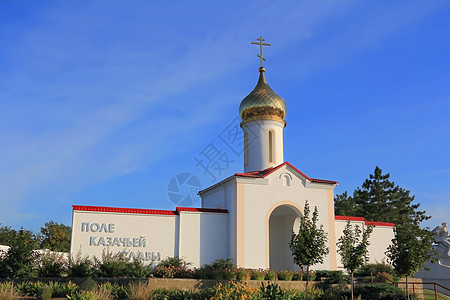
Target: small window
x=245, y=148
x=286, y=180
x=271, y=146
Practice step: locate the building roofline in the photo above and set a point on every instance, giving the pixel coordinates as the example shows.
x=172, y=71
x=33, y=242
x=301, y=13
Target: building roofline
x=145, y=211
x=267, y=172
x=362, y=219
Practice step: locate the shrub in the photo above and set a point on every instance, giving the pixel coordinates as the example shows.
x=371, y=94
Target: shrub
x=177, y=262
x=164, y=271
x=381, y=291
x=51, y=264
x=332, y=277
x=46, y=293
x=111, y=265
x=222, y=264
x=271, y=275
x=203, y=273
x=297, y=275
x=312, y=276
x=80, y=266
x=285, y=275
x=91, y=295
x=88, y=285
x=258, y=274
x=243, y=274
x=384, y=277
x=63, y=289
x=375, y=268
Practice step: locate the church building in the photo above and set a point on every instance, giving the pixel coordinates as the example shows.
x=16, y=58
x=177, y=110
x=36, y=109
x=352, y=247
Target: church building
x=248, y=217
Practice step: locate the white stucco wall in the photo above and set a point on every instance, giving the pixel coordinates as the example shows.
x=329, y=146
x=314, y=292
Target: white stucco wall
x=380, y=238
x=258, y=147
x=199, y=237
x=203, y=237
x=250, y=202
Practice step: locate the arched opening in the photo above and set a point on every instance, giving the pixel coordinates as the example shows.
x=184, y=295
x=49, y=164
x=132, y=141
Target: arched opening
x=271, y=146
x=282, y=222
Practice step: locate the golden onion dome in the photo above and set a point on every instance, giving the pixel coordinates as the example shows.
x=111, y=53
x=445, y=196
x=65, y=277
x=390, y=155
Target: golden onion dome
x=262, y=103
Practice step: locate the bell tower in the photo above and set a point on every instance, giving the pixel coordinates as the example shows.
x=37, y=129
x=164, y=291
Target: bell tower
x=262, y=113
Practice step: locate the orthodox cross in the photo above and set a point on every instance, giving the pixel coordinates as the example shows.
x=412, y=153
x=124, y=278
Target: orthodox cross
x=261, y=44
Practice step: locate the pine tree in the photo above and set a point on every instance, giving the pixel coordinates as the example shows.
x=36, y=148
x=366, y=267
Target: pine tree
x=379, y=199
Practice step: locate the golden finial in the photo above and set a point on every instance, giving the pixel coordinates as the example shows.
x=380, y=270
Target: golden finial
x=261, y=44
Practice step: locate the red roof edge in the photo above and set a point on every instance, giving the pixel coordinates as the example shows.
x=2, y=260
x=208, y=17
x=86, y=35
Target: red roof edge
x=349, y=218
x=145, y=211
x=124, y=210
x=193, y=209
x=266, y=172
x=362, y=219
x=379, y=223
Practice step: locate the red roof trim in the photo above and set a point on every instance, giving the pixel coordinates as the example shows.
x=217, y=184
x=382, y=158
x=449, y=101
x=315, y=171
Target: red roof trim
x=123, y=210
x=145, y=211
x=351, y=218
x=193, y=209
x=266, y=172
x=379, y=223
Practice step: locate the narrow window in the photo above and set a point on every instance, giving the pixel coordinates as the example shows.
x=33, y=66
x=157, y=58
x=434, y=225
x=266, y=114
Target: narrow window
x=271, y=146
x=245, y=148
x=286, y=180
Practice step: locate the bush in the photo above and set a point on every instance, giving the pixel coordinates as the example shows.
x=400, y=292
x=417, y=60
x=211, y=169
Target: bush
x=312, y=276
x=223, y=264
x=18, y=260
x=285, y=275
x=384, y=277
x=332, y=277
x=375, y=268
x=258, y=274
x=176, y=262
x=381, y=291
x=80, y=266
x=243, y=274
x=46, y=293
x=297, y=275
x=203, y=273
x=271, y=275
x=51, y=264
x=223, y=274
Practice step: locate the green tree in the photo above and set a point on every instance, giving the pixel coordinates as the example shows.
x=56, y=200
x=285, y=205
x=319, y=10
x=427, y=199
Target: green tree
x=308, y=246
x=352, y=247
x=55, y=237
x=18, y=260
x=379, y=199
x=410, y=249
x=6, y=235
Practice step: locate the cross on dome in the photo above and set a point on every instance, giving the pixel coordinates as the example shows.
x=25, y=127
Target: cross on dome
x=261, y=44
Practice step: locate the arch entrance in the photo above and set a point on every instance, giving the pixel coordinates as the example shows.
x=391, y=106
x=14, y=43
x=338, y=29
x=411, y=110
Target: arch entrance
x=282, y=222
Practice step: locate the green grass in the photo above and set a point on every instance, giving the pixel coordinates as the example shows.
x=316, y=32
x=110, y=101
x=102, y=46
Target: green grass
x=430, y=295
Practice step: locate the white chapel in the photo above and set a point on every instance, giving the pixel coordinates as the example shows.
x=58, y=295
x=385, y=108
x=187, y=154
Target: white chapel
x=248, y=217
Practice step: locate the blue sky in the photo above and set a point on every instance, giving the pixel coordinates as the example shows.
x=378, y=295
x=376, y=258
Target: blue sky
x=103, y=102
